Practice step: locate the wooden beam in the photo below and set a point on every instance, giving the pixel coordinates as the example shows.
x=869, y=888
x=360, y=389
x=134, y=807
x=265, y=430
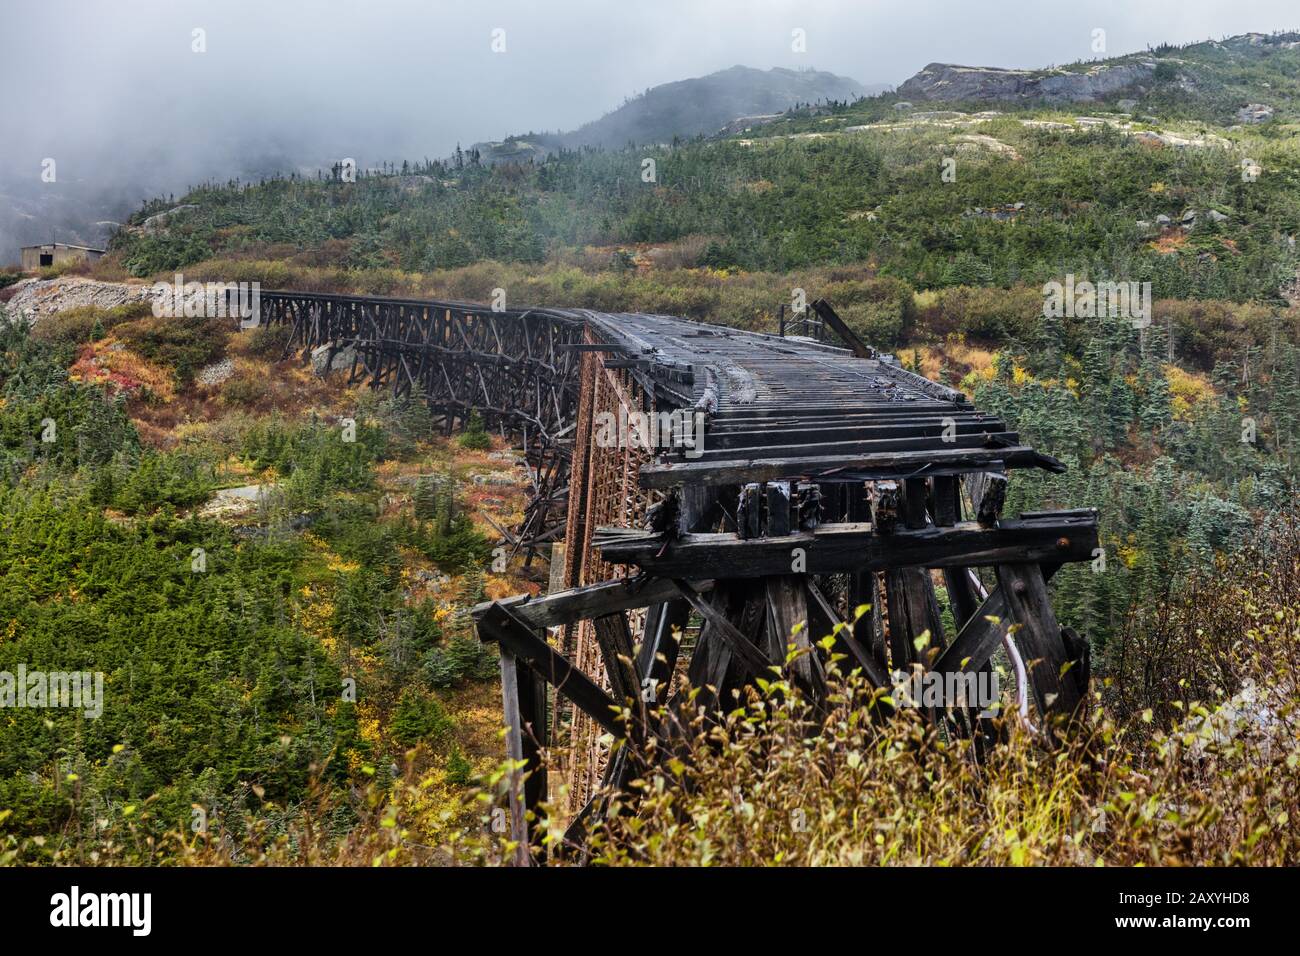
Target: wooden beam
x=524, y=706
x=787, y=608
x=657, y=656
x=798, y=445
x=979, y=638
x=839, y=548
x=741, y=647
x=939, y=460
x=820, y=609
x=500, y=625
x=947, y=512
x=841, y=328
x=589, y=601
x=1039, y=638
x=615, y=640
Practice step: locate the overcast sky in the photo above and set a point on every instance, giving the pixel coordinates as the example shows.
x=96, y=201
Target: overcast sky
x=114, y=92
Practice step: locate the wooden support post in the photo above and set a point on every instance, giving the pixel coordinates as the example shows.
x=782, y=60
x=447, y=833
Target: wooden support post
x=885, y=506
x=657, y=656
x=615, y=640
x=988, y=493
x=741, y=646
x=778, y=508
x=749, y=513
x=1039, y=639
x=820, y=611
x=913, y=607
x=808, y=498
x=787, y=608
x=524, y=703
x=962, y=597
x=868, y=629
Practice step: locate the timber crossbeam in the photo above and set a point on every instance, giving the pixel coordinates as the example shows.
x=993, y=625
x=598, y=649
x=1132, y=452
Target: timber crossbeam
x=855, y=547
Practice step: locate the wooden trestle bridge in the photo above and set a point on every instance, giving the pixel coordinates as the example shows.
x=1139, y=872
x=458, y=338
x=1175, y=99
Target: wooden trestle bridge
x=827, y=478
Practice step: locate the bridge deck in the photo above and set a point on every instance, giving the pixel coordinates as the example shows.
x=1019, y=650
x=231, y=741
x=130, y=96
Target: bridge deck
x=782, y=408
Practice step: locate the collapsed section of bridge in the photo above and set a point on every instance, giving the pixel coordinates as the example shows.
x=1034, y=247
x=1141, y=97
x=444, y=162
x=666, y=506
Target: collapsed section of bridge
x=719, y=501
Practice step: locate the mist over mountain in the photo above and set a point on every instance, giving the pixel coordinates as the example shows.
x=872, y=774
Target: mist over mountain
x=706, y=104
x=701, y=106
x=121, y=97
x=86, y=211
x=698, y=106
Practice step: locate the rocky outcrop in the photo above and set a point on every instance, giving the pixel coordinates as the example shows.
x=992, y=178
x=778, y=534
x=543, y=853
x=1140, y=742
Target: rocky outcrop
x=159, y=222
x=32, y=298
x=946, y=82
x=1255, y=113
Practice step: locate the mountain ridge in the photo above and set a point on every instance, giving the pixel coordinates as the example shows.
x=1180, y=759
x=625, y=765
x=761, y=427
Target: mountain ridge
x=701, y=105
x=1218, y=76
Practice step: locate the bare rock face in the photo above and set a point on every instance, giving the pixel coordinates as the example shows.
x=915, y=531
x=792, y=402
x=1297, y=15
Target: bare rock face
x=1255, y=113
x=32, y=298
x=946, y=81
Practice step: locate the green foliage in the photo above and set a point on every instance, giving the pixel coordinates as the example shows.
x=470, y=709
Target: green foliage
x=1171, y=493
x=269, y=341
x=441, y=530
x=201, y=670
x=175, y=479
x=420, y=718
x=462, y=658
x=459, y=770
x=475, y=435
x=47, y=419
x=150, y=253
x=780, y=204
x=84, y=324
x=316, y=458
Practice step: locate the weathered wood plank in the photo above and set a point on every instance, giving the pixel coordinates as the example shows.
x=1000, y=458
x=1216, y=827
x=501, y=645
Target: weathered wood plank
x=833, y=549
x=820, y=610
x=524, y=706
x=590, y=601
x=787, y=608
x=500, y=625
x=879, y=465
x=1038, y=637
x=740, y=646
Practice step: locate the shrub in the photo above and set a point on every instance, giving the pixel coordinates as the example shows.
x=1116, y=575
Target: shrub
x=85, y=323
x=268, y=341
x=463, y=658
x=248, y=387
x=420, y=719
x=459, y=770
x=475, y=435
x=184, y=345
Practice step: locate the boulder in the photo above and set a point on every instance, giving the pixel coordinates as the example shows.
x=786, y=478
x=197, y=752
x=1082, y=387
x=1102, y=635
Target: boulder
x=331, y=357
